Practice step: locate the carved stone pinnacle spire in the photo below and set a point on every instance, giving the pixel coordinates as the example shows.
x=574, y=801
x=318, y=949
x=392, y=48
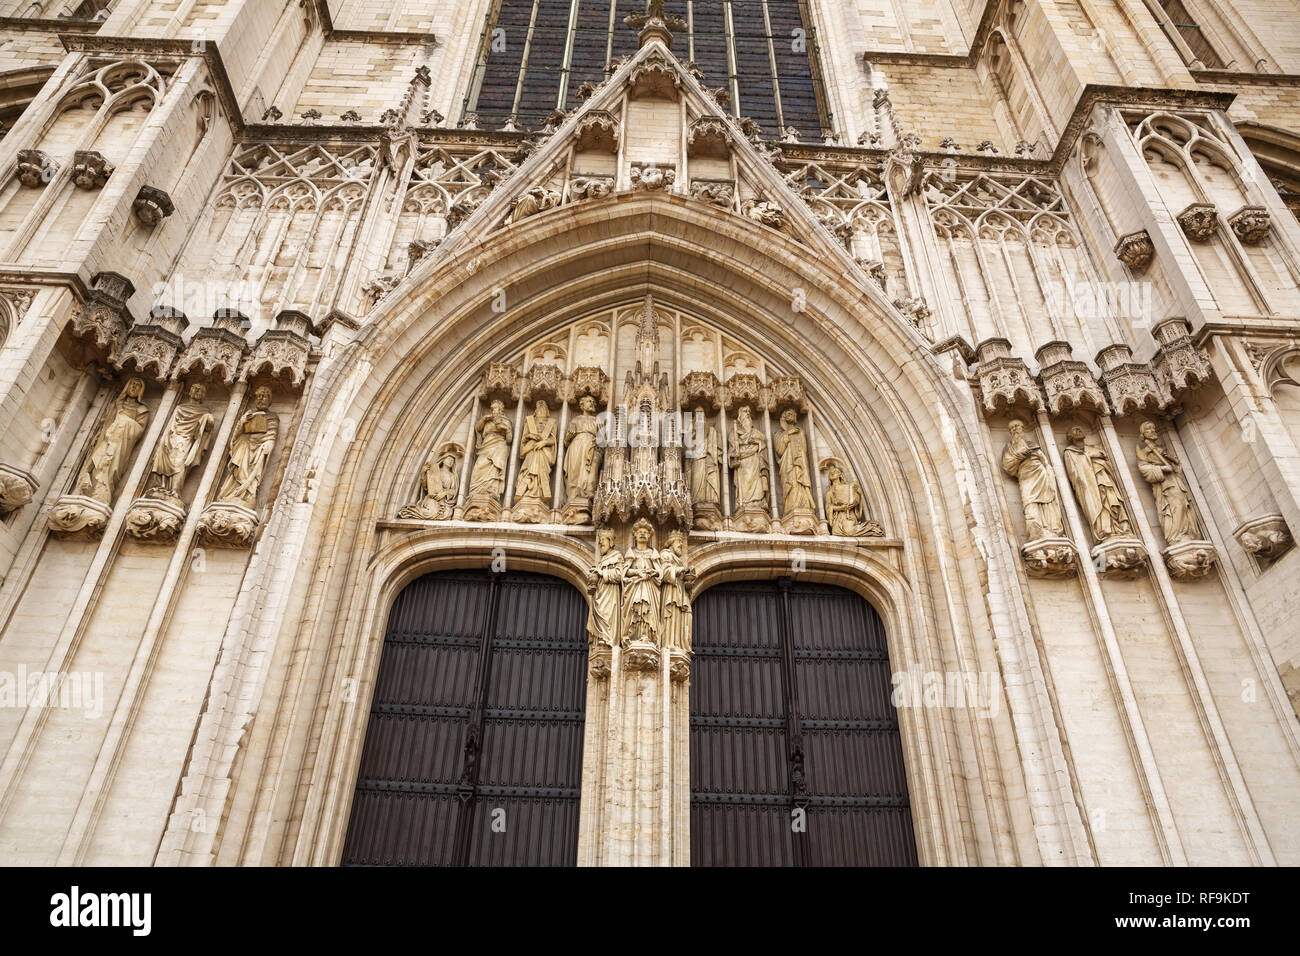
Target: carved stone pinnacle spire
x=655, y=24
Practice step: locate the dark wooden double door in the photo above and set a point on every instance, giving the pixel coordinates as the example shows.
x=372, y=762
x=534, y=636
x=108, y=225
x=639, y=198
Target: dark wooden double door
x=473, y=753
x=796, y=757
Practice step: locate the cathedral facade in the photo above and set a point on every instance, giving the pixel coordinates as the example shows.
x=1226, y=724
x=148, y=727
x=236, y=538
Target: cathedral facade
x=752, y=432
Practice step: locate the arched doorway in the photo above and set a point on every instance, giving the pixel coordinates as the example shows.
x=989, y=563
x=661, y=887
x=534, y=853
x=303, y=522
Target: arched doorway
x=790, y=712
x=473, y=752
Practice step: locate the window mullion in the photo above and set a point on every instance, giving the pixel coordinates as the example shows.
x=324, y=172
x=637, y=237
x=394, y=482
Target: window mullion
x=523, y=63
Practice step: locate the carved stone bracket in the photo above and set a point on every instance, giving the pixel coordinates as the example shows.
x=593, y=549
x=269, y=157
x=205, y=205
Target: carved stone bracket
x=744, y=388
x=1135, y=250
x=152, y=206
x=1050, y=558
x=700, y=389
x=543, y=381
x=284, y=350
x=1120, y=557
x=1199, y=221
x=16, y=488
x=1179, y=365
x=90, y=170
x=1190, y=560
x=500, y=381
x=35, y=168
x=588, y=380
x=679, y=669
x=223, y=524
x=601, y=662
x=153, y=519
x=151, y=347
x=786, y=391
x=640, y=656
x=1004, y=381
x=216, y=351
x=654, y=78
x=1131, y=385
x=1068, y=384
x=719, y=192
x=585, y=186
x=1251, y=224
x=708, y=136
x=649, y=177
x=598, y=130
x=1267, y=537
x=79, y=516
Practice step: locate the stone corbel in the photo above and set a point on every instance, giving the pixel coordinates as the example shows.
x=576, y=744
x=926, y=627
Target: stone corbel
x=1135, y=250
x=1199, y=221
x=1179, y=365
x=543, y=381
x=101, y=323
x=1050, y=558
x=35, y=168
x=152, y=206
x=1191, y=560
x=151, y=347
x=1132, y=386
x=500, y=382
x=719, y=192
x=649, y=177
x=588, y=380
x=283, y=351
x=90, y=170
x=744, y=388
x=1068, y=384
x=584, y=186
x=1266, y=537
x=700, y=389
x=1120, y=557
x=16, y=488
x=1004, y=381
x=1251, y=224
x=597, y=131
x=708, y=137
x=216, y=351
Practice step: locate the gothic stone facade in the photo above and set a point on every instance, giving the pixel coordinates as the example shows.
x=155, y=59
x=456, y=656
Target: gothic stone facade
x=1011, y=348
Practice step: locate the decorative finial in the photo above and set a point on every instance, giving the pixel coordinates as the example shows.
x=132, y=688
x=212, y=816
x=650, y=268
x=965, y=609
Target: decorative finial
x=655, y=24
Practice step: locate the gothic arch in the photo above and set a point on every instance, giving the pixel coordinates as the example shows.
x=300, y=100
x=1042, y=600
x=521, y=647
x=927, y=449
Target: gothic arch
x=421, y=351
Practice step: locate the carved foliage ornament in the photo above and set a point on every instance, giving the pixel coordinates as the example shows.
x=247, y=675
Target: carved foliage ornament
x=1135, y=250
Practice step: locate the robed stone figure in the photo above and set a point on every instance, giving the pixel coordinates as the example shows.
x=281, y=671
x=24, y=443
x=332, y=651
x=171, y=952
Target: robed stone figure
x=440, y=483
x=183, y=446
x=844, y=506
x=113, y=444
x=537, y=455
x=604, y=584
x=250, y=449
x=582, y=452
x=1093, y=481
x=492, y=452
x=674, y=597
x=1025, y=461
x=706, y=483
x=1164, y=472
x=641, y=579
x=747, y=453
x=792, y=464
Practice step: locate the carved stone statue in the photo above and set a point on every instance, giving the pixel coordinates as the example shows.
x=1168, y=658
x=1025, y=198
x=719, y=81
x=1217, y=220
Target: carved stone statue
x=183, y=446
x=844, y=508
x=747, y=454
x=798, y=514
x=537, y=455
x=535, y=200
x=1164, y=472
x=582, y=457
x=604, y=583
x=487, y=480
x=674, y=596
x=1094, y=485
x=1025, y=461
x=641, y=579
x=705, y=474
x=440, y=480
x=113, y=444
x=250, y=448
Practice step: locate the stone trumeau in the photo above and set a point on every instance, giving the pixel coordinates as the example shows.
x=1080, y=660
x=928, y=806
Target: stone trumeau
x=799, y=433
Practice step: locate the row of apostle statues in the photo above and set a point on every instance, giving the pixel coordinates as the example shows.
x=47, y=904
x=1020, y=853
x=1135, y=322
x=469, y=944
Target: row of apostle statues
x=181, y=447
x=578, y=472
x=1092, y=477
x=642, y=595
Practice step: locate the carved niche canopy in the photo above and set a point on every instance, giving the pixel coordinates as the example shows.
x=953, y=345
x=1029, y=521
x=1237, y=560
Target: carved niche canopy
x=1005, y=381
x=283, y=351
